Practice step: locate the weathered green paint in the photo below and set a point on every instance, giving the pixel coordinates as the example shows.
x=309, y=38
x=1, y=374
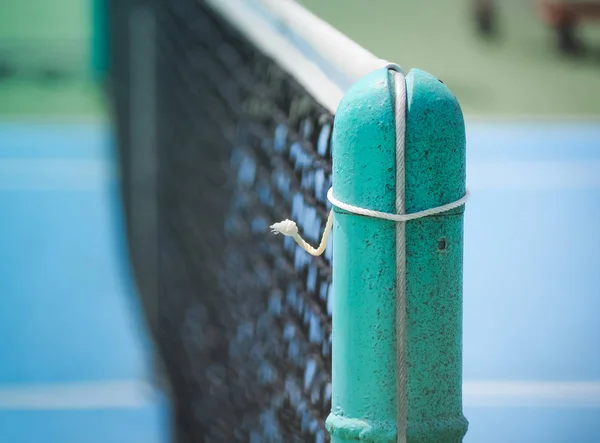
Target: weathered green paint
x=435, y=175
x=364, y=397
x=364, y=343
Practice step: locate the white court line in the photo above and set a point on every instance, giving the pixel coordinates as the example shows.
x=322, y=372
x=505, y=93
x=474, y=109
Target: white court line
x=61, y=119
x=533, y=175
x=85, y=395
x=515, y=394
x=134, y=394
x=54, y=174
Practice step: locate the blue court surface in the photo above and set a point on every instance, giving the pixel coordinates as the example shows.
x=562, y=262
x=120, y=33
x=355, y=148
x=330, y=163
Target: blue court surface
x=75, y=358
x=532, y=283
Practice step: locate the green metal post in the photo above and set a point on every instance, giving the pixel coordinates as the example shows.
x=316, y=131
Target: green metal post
x=365, y=372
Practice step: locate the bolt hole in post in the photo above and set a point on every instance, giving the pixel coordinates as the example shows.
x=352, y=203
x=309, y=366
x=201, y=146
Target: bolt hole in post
x=442, y=244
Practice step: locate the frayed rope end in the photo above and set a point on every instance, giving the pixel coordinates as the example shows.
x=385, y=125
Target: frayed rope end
x=285, y=227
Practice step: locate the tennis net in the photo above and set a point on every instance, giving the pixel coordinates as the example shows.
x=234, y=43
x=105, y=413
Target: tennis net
x=224, y=112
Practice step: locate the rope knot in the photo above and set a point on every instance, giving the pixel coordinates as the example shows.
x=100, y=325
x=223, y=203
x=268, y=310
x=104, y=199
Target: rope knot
x=285, y=227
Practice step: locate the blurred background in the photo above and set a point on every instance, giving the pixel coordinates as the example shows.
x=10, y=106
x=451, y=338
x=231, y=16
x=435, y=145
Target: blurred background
x=76, y=352
x=516, y=69
x=76, y=361
x=47, y=59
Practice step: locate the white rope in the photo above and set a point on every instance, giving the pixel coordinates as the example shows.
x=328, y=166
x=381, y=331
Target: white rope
x=290, y=229
x=396, y=217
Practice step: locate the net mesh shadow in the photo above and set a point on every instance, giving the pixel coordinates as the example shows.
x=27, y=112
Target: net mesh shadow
x=241, y=317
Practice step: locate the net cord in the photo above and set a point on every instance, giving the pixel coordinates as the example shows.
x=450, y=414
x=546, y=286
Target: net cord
x=399, y=97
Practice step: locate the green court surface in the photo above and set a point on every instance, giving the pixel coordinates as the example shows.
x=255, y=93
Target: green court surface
x=51, y=19
x=74, y=98
x=519, y=74
x=45, y=48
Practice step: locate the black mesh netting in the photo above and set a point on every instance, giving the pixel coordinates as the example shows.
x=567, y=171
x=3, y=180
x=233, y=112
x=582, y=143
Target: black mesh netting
x=243, y=322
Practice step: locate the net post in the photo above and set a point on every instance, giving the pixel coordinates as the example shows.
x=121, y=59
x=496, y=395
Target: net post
x=365, y=369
